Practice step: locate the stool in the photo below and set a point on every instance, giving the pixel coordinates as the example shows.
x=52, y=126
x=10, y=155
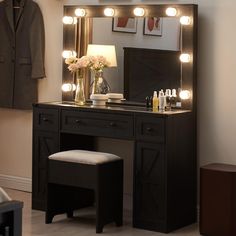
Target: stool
x=78, y=178
x=218, y=200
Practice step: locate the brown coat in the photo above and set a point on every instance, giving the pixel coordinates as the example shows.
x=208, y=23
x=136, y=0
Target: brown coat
x=22, y=45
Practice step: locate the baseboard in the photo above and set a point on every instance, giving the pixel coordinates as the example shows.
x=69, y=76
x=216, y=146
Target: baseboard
x=14, y=182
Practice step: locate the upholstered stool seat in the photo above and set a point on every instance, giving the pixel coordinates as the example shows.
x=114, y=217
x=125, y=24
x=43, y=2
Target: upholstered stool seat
x=79, y=178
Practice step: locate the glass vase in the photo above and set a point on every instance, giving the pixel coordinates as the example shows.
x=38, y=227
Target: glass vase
x=99, y=84
x=79, y=93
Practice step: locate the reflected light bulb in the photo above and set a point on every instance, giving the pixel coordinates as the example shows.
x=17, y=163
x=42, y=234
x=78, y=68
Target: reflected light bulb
x=80, y=12
x=109, y=12
x=171, y=11
x=68, y=87
x=185, y=20
x=184, y=57
x=138, y=11
x=68, y=20
x=68, y=54
x=185, y=94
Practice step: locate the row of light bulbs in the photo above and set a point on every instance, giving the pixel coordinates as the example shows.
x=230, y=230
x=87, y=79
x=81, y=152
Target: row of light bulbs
x=184, y=57
x=138, y=11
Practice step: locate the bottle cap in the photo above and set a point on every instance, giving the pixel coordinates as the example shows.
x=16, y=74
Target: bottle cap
x=174, y=93
x=168, y=92
x=155, y=94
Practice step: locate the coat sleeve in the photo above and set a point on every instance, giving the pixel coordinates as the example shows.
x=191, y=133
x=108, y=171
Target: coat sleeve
x=37, y=45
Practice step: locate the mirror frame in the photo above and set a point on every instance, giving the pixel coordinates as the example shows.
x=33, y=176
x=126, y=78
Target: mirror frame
x=188, y=34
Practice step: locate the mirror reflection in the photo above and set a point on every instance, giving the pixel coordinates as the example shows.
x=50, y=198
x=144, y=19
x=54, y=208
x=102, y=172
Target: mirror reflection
x=105, y=31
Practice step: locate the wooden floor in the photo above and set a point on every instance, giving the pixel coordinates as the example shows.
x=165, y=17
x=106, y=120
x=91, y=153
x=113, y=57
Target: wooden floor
x=83, y=225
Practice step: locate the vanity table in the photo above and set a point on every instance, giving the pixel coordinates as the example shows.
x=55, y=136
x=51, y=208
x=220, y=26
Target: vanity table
x=164, y=165
x=164, y=155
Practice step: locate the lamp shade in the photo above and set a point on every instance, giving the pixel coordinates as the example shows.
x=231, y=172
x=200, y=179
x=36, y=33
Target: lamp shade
x=108, y=51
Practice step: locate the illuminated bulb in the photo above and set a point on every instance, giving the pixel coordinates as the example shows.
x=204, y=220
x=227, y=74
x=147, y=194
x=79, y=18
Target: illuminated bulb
x=68, y=87
x=138, y=11
x=185, y=20
x=184, y=57
x=171, y=11
x=68, y=54
x=80, y=12
x=185, y=94
x=109, y=12
x=68, y=20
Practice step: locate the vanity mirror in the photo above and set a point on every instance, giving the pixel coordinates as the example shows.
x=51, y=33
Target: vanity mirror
x=165, y=59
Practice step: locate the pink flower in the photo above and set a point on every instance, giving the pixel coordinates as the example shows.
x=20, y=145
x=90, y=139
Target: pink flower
x=70, y=60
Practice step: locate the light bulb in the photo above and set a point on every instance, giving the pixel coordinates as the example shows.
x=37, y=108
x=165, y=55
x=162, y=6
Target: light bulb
x=68, y=20
x=185, y=57
x=185, y=94
x=80, y=12
x=68, y=54
x=185, y=20
x=109, y=12
x=138, y=11
x=68, y=87
x=171, y=11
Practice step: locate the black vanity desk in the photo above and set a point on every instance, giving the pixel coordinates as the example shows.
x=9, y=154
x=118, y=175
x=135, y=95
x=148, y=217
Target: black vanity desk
x=164, y=195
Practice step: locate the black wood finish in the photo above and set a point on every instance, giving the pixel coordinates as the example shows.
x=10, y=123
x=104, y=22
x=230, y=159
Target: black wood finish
x=45, y=142
x=146, y=70
x=164, y=162
x=11, y=217
x=106, y=181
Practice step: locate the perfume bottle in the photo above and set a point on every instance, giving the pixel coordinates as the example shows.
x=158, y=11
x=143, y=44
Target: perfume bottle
x=168, y=99
x=173, y=98
x=161, y=101
x=155, y=101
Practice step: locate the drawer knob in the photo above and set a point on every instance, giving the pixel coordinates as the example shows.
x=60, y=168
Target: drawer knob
x=112, y=124
x=45, y=119
x=77, y=121
x=149, y=129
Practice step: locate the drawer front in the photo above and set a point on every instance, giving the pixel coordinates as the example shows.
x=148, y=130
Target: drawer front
x=150, y=128
x=98, y=124
x=46, y=119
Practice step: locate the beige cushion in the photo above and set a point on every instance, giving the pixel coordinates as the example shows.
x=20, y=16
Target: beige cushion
x=85, y=157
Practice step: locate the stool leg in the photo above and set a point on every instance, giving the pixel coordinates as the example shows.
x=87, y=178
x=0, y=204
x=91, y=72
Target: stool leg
x=99, y=229
x=48, y=218
x=69, y=214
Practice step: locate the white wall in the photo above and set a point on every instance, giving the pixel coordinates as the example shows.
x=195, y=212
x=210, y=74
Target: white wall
x=216, y=85
x=16, y=125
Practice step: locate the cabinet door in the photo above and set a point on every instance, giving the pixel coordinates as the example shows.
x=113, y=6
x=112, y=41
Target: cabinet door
x=149, y=187
x=44, y=144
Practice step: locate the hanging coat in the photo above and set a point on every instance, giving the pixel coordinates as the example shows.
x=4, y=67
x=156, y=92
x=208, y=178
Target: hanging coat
x=22, y=45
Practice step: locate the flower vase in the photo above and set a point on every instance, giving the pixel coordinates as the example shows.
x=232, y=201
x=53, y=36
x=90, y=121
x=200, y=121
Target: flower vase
x=99, y=84
x=79, y=94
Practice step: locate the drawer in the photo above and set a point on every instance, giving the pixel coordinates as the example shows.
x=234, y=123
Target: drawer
x=150, y=128
x=46, y=119
x=98, y=124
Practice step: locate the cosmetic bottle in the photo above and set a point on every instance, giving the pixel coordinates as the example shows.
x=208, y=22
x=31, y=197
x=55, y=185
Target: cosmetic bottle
x=173, y=98
x=155, y=101
x=150, y=101
x=147, y=99
x=178, y=100
x=168, y=99
x=161, y=101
